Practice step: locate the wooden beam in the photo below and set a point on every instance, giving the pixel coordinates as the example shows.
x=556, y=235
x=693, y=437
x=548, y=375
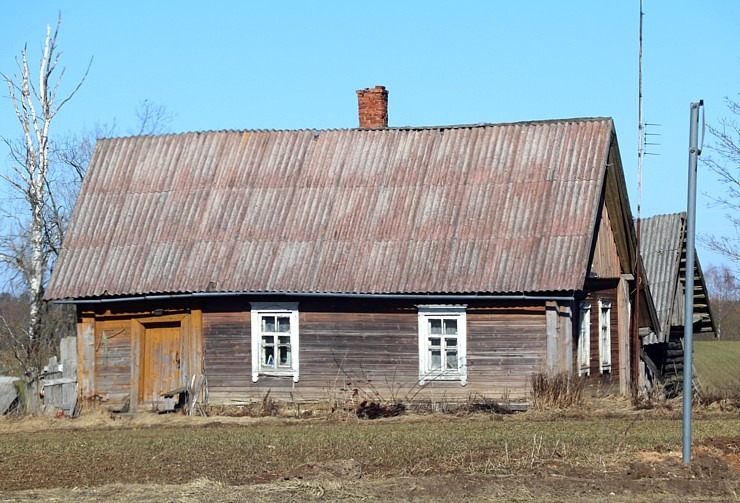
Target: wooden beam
x=86, y=341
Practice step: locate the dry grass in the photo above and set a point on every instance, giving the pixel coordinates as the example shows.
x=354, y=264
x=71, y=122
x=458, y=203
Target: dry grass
x=559, y=391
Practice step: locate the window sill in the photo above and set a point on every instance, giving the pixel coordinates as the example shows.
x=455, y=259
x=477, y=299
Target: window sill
x=292, y=374
x=463, y=380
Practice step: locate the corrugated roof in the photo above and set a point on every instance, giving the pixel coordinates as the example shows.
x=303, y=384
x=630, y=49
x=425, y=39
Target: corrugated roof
x=464, y=209
x=663, y=248
x=661, y=243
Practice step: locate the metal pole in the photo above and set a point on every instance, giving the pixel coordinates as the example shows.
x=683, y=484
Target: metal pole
x=635, y=339
x=688, y=320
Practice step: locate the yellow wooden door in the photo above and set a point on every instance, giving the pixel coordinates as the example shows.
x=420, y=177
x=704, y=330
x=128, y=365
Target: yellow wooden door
x=160, y=362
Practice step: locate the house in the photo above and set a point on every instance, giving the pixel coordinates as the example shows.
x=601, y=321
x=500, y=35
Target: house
x=408, y=262
x=663, y=248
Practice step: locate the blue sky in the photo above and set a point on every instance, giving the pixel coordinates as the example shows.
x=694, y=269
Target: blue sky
x=286, y=65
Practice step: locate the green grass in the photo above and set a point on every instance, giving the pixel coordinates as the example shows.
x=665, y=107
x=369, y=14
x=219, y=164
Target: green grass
x=717, y=365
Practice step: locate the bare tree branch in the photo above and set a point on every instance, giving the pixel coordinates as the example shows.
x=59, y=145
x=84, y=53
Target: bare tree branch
x=153, y=118
x=725, y=163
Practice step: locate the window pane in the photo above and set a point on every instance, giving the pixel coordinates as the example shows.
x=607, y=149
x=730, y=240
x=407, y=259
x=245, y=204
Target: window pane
x=268, y=323
x=268, y=353
x=451, y=358
x=283, y=324
x=435, y=327
x=450, y=341
x=451, y=327
x=435, y=359
x=435, y=341
x=284, y=352
x=268, y=350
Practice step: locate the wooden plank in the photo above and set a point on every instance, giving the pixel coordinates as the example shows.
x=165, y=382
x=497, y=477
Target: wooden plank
x=195, y=346
x=552, y=329
x=623, y=335
x=86, y=353
x=567, y=330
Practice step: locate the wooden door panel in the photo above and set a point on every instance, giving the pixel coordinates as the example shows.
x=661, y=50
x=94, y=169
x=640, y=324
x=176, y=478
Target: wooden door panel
x=160, y=361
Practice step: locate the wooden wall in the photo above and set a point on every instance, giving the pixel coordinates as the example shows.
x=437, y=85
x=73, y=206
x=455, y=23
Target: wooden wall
x=108, y=346
x=113, y=365
x=370, y=348
x=606, y=290
x=605, y=263
x=506, y=345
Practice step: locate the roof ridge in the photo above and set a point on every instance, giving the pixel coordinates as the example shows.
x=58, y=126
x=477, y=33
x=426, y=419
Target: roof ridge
x=389, y=128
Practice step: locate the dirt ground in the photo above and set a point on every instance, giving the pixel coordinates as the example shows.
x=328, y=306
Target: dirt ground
x=713, y=475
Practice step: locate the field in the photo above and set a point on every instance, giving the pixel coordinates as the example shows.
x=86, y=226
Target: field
x=604, y=450
x=717, y=365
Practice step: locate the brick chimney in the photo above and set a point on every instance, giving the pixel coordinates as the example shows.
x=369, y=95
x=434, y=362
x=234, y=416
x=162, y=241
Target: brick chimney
x=373, y=107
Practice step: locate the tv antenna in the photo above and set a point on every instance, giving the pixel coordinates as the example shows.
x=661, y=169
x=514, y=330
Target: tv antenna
x=635, y=338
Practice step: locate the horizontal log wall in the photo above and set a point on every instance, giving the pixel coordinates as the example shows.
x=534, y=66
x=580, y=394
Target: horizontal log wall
x=349, y=349
x=505, y=346
x=227, y=352
x=369, y=350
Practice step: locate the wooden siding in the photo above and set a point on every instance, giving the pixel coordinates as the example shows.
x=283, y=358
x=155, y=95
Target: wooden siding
x=366, y=349
x=505, y=346
x=227, y=350
x=605, y=262
x=606, y=290
x=370, y=349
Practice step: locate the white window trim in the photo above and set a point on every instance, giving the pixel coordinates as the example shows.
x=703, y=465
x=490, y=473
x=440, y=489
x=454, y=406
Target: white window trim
x=605, y=337
x=260, y=308
x=443, y=311
x=584, y=340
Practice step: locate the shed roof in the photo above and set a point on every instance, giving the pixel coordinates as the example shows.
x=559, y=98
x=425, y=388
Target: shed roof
x=492, y=208
x=661, y=245
x=663, y=249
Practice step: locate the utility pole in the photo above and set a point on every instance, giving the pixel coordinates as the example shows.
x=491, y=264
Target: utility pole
x=688, y=318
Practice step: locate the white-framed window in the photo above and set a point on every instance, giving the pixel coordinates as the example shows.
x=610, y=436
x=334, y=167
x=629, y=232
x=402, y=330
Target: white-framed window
x=443, y=343
x=584, y=339
x=605, y=336
x=275, y=340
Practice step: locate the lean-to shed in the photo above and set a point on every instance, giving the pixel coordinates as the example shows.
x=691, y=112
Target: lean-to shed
x=663, y=248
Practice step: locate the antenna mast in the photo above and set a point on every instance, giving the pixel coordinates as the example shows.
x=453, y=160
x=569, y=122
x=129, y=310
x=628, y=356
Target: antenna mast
x=635, y=374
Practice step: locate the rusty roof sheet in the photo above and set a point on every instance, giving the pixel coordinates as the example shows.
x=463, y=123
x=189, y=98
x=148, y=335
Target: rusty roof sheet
x=663, y=249
x=493, y=208
x=661, y=243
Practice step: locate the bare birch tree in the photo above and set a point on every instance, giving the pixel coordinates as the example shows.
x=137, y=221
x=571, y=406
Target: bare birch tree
x=39, y=227
x=724, y=160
